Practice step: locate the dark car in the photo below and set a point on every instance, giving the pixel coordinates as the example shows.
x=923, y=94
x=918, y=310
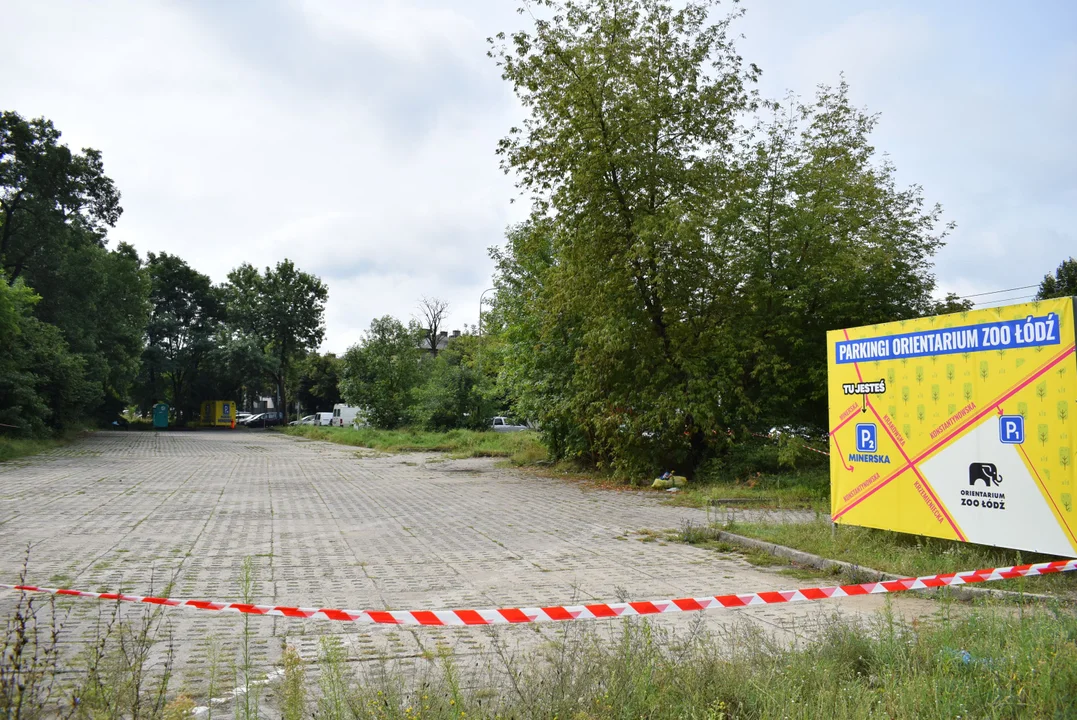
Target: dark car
x=266, y=419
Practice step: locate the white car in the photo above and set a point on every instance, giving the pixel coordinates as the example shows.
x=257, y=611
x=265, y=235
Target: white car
x=323, y=418
x=308, y=420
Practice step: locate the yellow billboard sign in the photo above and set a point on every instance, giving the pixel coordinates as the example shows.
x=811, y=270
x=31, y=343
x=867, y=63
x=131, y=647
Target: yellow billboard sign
x=958, y=426
x=218, y=413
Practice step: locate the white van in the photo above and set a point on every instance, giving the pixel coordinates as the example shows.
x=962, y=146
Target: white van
x=343, y=415
x=323, y=418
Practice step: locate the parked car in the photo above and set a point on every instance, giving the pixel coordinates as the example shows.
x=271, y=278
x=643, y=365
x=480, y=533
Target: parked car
x=504, y=424
x=266, y=419
x=307, y=420
x=241, y=416
x=323, y=418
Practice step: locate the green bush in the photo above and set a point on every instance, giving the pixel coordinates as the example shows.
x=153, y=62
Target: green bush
x=753, y=456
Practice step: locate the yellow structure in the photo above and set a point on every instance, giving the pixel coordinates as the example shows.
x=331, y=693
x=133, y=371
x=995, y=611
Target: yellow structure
x=958, y=426
x=218, y=413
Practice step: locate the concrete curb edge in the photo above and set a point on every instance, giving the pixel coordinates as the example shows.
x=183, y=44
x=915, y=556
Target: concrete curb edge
x=858, y=571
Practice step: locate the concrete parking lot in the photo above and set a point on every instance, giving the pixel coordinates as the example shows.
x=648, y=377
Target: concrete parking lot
x=330, y=526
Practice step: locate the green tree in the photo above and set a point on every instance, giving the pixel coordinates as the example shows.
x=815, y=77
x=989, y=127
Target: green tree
x=952, y=303
x=537, y=348
x=181, y=333
x=42, y=384
x=829, y=240
x=680, y=267
x=45, y=191
x=382, y=372
x=618, y=155
x=241, y=370
x=460, y=389
x=318, y=382
x=97, y=298
x=1063, y=283
x=283, y=307
x=55, y=209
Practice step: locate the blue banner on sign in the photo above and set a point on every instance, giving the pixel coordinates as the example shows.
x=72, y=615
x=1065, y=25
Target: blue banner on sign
x=1004, y=335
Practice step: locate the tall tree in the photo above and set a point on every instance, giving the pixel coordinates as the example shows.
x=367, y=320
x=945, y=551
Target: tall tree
x=382, y=372
x=1062, y=283
x=824, y=239
x=181, y=333
x=681, y=262
x=538, y=338
x=459, y=389
x=285, y=308
x=633, y=109
x=433, y=313
x=55, y=209
x=318, y=384
x=42, y=383
x=240, y=368
x=45, y=189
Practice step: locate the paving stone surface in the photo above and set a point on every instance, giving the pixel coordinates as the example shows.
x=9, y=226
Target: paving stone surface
x=325, y=525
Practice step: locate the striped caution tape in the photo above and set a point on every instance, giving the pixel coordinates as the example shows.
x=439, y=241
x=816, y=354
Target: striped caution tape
x=499, y=616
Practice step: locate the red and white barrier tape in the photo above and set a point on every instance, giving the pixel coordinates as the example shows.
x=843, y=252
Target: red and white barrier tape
x=498, y=616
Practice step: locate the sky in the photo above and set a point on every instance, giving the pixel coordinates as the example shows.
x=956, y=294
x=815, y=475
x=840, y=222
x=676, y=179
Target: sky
x=357, y=137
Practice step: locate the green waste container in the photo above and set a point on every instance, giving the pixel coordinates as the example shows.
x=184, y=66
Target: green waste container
x=160, y=415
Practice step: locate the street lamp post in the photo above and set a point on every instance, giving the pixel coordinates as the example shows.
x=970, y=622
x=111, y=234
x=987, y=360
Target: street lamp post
x=480, y=306
x=478, y=347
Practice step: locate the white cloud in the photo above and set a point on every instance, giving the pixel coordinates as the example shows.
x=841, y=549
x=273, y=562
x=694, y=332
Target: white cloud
x=357, y=138
x=398, y=29
x=973, y=102
x=223, y=160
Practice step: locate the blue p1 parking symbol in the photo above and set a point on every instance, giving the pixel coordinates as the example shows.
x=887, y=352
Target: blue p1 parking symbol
x=1011, y=429
x=866, y=438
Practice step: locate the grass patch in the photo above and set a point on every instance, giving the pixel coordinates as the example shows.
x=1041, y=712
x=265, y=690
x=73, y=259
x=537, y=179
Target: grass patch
x=801, y=489
x=521, y=448
x=984, y=664
x=707, y=536
x=14, y=448
x=905, y=554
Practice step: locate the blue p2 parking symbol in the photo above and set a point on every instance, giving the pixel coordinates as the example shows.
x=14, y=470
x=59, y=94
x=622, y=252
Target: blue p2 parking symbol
x=1011, y=429
x=866, y=438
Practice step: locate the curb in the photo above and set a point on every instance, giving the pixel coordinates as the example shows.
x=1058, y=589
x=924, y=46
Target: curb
x=860, y=572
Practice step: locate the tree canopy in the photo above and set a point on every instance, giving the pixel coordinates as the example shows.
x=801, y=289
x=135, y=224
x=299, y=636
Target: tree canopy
x=1061, y=283
x=90, y=302
x=284, y=308
x=88, y=329
x=382, y=372
x=689, y=243
x=50, y=197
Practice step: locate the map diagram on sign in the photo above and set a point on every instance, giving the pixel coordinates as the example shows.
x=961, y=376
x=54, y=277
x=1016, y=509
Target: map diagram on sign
x=958, y=426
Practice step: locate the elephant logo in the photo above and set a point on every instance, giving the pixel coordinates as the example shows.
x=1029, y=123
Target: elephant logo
x=986, y=472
